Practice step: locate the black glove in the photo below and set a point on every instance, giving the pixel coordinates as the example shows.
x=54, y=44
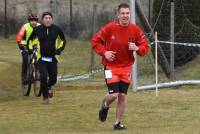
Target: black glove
x=30, y=51
x=21, y=47
x=58, y=52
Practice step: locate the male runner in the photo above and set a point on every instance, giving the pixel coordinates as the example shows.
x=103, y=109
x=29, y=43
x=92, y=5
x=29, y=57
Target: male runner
x=50, y=42
x=116, y=42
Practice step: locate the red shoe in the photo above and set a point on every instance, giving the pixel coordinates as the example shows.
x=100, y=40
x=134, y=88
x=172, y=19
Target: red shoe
x=50, y=93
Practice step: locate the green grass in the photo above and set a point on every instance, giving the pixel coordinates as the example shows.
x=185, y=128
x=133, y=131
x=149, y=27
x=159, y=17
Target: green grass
x=74, y=108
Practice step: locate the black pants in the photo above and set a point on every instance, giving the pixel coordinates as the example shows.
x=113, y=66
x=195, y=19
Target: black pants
x=25, y=56
x=48, y=76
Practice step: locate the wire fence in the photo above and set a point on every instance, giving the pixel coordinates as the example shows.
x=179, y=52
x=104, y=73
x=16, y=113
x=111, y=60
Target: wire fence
x=178, y=32
x=81, y=19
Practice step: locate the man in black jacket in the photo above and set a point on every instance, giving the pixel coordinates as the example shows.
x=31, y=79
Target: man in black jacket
x=50, y=42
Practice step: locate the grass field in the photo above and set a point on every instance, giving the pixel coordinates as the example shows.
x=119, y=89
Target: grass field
x=74, y=108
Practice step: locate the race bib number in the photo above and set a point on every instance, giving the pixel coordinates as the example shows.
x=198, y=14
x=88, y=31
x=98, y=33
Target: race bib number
x=47, y=59
x=108, y=74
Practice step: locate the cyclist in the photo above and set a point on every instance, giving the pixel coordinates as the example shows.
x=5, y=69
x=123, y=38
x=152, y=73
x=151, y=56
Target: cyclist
x=22, y=39
x=50, y=42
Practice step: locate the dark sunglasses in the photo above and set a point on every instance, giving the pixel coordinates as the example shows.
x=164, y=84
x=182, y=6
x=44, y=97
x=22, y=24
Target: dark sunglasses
x=33, y=19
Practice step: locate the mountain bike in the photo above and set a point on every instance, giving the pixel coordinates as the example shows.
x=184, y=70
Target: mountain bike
x=33, y=76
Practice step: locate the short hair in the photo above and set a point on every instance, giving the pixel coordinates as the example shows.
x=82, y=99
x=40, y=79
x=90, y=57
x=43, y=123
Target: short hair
x=47, y=13
x=123, y=5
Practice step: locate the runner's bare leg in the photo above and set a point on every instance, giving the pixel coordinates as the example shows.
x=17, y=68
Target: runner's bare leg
x=121, y=107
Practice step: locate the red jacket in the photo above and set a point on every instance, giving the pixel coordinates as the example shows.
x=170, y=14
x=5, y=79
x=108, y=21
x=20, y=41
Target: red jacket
x=115, y=37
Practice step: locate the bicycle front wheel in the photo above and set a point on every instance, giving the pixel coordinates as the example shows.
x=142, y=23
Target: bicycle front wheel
x=26, y=87
x=36, y=83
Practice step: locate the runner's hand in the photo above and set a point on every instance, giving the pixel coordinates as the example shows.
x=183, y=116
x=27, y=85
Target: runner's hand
x=110, y=55
x=133, y=46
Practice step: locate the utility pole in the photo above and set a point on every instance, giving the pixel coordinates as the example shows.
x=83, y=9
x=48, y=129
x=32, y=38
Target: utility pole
x=71, y=19
x=54, y=9
x=5, y=20
x=92, y=58
x=150, y=11
x=172, y=14
x=134, y=76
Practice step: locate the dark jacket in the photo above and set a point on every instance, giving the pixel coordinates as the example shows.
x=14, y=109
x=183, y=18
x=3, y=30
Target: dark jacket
x=50, y=41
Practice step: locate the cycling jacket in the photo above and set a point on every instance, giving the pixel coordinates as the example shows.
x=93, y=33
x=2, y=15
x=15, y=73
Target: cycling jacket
x=24, y=33
x=48, y=40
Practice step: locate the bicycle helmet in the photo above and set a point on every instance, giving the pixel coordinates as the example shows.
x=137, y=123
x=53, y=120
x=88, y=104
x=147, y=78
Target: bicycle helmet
x=33, y=16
